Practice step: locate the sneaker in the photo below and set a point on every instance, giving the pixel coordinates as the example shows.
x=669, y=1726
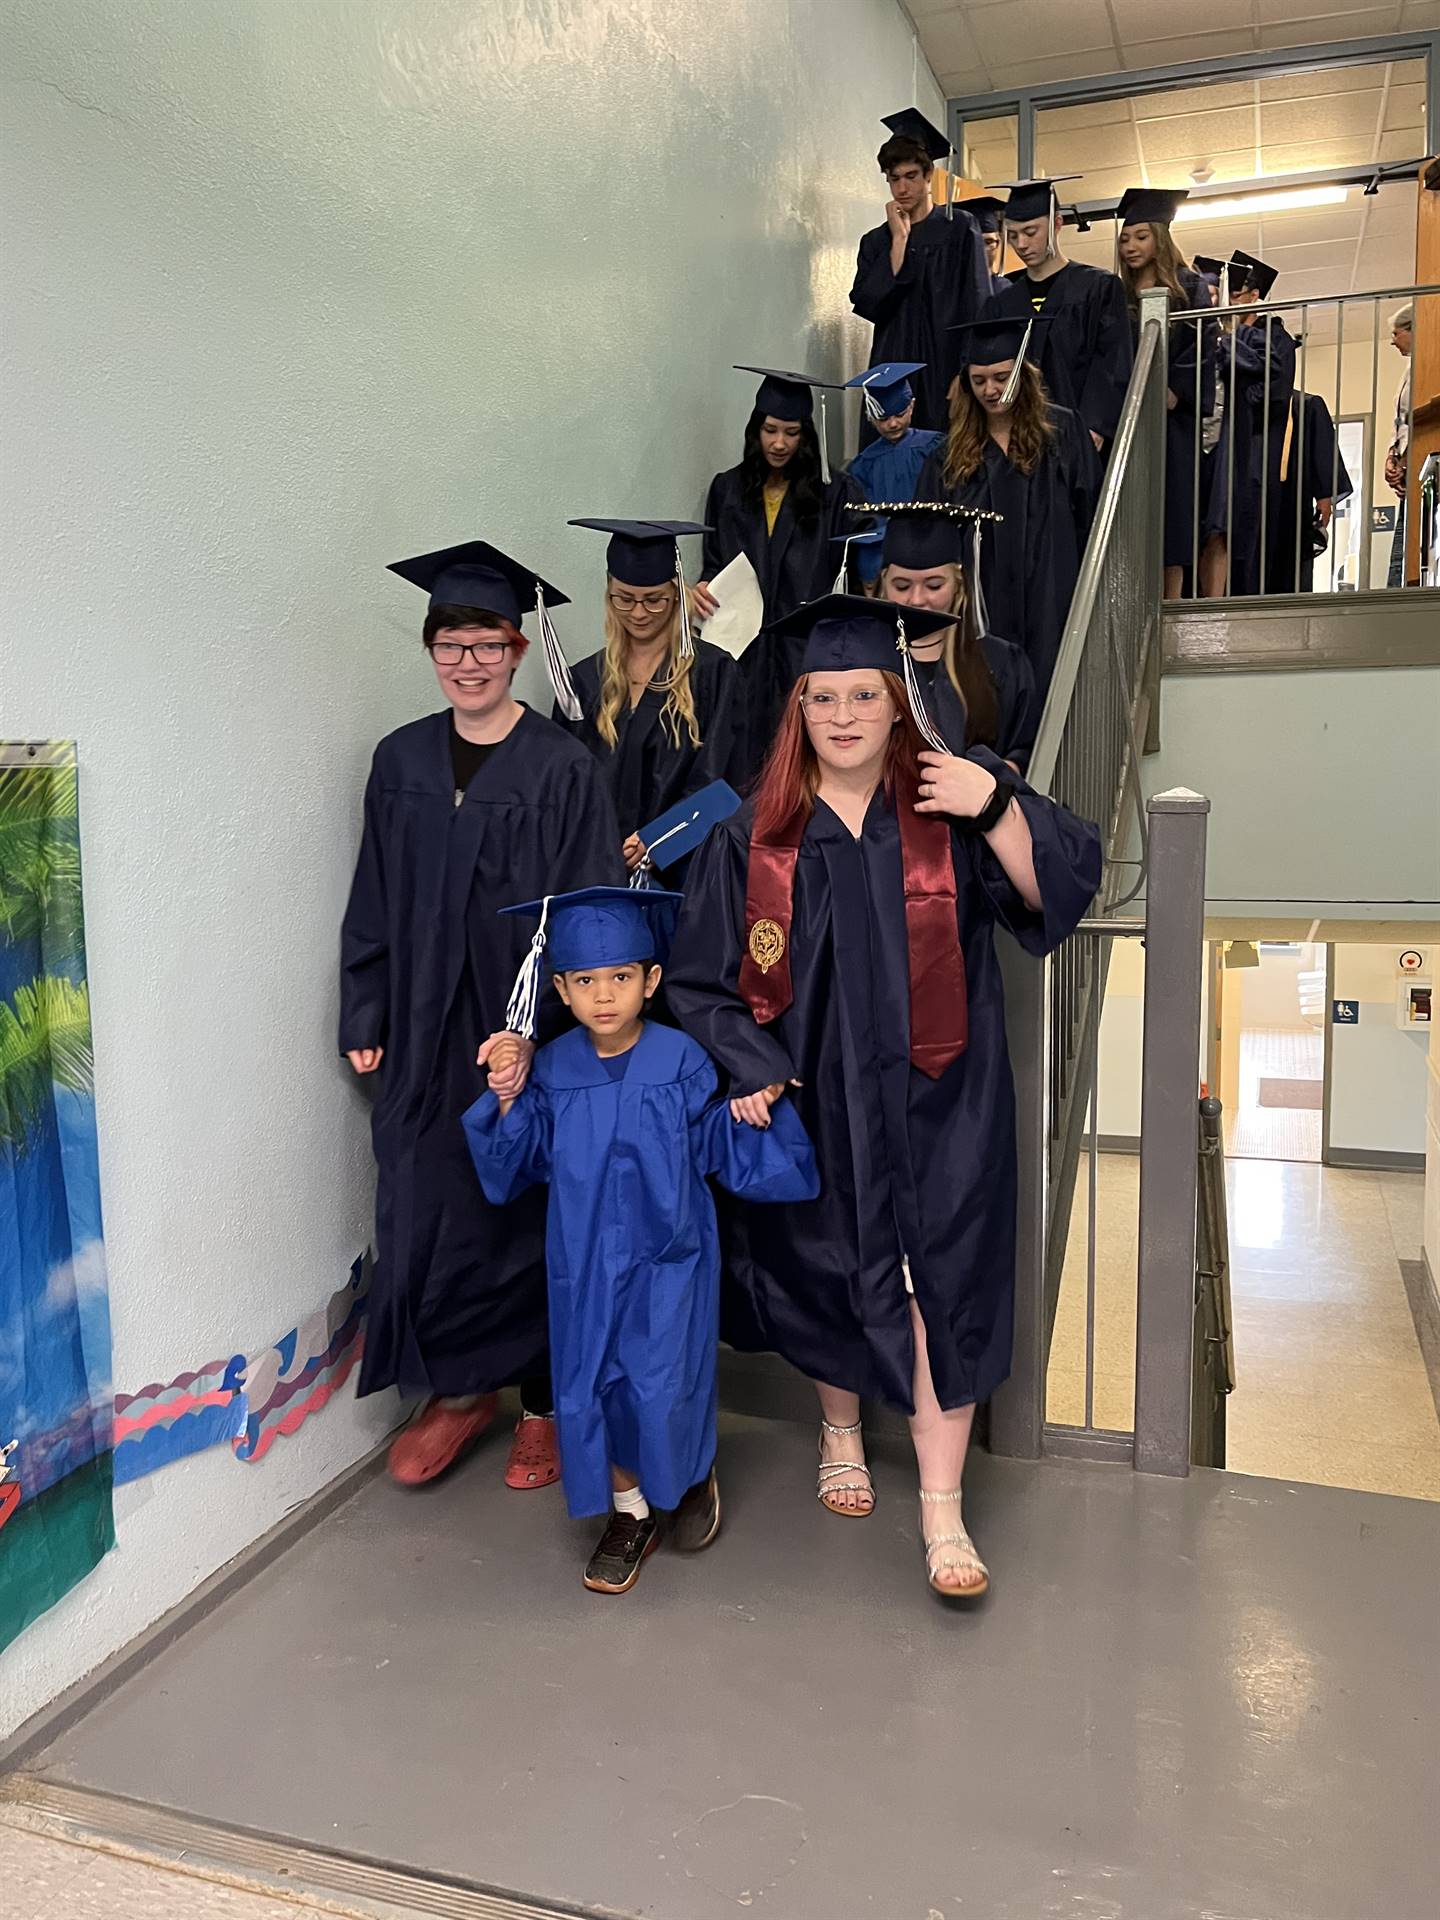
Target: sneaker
x=534, y=1455
x=696, y=1520
x=437, y=1438
x=624, y=1546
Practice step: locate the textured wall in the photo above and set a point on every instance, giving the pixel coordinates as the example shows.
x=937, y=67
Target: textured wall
x=293, y=287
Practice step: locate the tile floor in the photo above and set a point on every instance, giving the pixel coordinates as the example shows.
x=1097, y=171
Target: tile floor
x=1332, y=1387
x=1254, y=1132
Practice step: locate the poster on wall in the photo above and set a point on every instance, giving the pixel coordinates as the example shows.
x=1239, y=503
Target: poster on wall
x=55, y=1401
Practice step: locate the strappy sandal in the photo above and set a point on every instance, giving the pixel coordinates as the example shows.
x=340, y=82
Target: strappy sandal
x=827, y=1485
x=964, y=1559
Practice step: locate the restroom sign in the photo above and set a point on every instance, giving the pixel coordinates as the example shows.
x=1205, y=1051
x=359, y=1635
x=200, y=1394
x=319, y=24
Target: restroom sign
x=1412, y=960
x=1345, y=1013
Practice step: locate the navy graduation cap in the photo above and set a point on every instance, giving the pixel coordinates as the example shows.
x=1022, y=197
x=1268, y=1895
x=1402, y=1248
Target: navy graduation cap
x=1204, y=263
x=643, y=553
x=684, y=827
x=1152, y=204
x=1005, y=337
x=920, y=539
x=911, y=124
x=1033, y=199
x=785, y=396
x=475, y=574
x=987, y=209
x=1247, y=272
x=846, y=631
x=886, y=388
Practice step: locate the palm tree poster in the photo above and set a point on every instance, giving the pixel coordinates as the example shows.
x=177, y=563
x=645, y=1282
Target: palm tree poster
x=55, y=1399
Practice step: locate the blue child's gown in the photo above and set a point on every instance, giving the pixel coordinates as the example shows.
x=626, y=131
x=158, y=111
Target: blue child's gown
x=631, y=1244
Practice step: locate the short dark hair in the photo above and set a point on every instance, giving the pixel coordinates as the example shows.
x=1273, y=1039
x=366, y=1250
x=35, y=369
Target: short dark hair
x=902, y=148
x=443, y=618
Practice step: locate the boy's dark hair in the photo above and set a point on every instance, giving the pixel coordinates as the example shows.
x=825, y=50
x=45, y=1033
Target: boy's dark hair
x=442, y=618
x=900, y=150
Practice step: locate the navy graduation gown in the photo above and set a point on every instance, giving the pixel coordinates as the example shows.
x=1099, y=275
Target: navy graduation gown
x=1086, y=350
x=427, y=963
x=631, y=1245
x=907, y=1164
x=1017, y=710
x=888, y=470
x=1030, y=561
x=943, y=281
x=645, y=771
x=1315, y=472
x=1191, y=349
x=1247, y=448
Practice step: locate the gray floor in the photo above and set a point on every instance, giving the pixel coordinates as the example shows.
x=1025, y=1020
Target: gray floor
x=1213, y=1699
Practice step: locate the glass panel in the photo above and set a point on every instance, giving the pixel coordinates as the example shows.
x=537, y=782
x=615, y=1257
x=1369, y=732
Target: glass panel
x=991, y=148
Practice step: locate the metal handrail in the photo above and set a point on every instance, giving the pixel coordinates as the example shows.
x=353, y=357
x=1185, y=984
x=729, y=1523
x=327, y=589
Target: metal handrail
x=1320, y=300
x=1213, y=1357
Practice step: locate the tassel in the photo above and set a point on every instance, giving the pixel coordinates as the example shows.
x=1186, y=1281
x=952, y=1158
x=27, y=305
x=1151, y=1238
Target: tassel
x=640, y=878
x=687, y=637
x=843, y=575
x=977, y=591
x=917, y=700
x=525, y=994
x=1012, y=385
x=566, y=697
x=872, y=405
x=824, y=443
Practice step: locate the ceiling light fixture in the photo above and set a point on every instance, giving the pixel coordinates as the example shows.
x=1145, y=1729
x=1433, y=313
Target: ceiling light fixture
x=1282, y=200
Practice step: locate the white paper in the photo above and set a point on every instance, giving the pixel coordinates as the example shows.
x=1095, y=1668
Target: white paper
x=738, y=618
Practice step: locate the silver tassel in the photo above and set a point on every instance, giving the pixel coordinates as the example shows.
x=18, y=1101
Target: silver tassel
x=977, y=591
x=1012, y=385
x=687, y=637
x=843, y=575
x=872, y=405
x=525, y=994
x=556, y=665
x=824, y=443
x=917, y=700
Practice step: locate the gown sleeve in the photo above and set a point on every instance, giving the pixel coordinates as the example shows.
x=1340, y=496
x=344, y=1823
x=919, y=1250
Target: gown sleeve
x=756, y=1163
x=702, y=979
x=1108, y=376
x=711, y=558
x=877, y=291
x=1192, y=344
x=510, y=1152
x=931, y=484
x=1068, y=867
x=720, y=756
x=1083, y=474
x=1020, y=706
x=364, y=941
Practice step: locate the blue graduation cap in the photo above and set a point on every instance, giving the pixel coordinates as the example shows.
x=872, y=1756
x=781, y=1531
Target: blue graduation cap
x=886, y=389
x=590, y=927
x=868, y=539
x=475, y=574
x=684, y=827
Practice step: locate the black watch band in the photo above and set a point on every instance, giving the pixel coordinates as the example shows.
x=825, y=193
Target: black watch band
x=994, y=810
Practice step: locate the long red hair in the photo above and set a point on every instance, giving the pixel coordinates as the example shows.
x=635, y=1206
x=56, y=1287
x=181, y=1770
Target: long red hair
x=789, y=780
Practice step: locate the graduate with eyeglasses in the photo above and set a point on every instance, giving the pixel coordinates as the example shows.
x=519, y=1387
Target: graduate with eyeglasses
x=658, y=708
x=466, y=811
x=837, y=944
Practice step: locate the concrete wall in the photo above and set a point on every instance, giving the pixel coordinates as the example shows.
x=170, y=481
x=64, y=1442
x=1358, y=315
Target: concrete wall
x=1378, y=1071
x=291, y=291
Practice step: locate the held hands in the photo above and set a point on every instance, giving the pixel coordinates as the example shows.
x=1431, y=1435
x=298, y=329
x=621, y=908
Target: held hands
x=365, y=1059
x=508, y=1056
x=633, y=852
x=948, y=784
x=754, y=1108
x=702, y=600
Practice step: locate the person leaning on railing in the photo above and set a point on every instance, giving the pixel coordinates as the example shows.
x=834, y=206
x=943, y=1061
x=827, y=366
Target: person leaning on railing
x=1402, y=334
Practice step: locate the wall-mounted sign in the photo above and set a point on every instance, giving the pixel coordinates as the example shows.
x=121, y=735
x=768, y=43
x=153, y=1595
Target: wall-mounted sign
x=1412, y=960
x=1382, y=519
x=1345, y=1013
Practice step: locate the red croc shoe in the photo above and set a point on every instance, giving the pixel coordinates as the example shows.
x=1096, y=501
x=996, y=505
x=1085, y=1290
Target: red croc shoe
x=534, y=1455
x=437, y=1438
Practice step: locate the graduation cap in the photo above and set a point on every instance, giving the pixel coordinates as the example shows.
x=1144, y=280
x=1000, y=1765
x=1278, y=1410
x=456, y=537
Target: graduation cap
x=1246, y=272
x=591, y=927
x=886, y=388
x=682, y=828
x=1034, y=199
x=921, y=534
x=646, y=553
x=845, y=631
x=866, y=537
x=1005, y=336
x=911, y=124
x=1206, y=264
x=789, y=396
x=987, y=209
x=1158, y=205
x=475, y=574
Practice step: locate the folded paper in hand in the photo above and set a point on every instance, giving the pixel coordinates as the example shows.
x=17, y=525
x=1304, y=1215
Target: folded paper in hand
x=741, y=611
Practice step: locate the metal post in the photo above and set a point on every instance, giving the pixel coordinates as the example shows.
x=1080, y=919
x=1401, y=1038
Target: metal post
x=1170, y=1072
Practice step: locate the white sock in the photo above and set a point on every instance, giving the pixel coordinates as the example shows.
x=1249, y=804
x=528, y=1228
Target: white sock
x=632, y=1501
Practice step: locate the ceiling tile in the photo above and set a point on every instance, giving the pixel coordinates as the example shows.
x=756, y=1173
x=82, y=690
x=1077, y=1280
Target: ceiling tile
x=949, y=45
x=1405, y=143
x=1321, y=83
x=1406, y=105
x=1386, y=261
x=1006, y=34
x=1070, y=66
x=961, y=82
x=1343, y=19
x=1343, y=115
x=1097, y=113
x=1302, y=156
x=1420, y=13
x=1195, y=137
x=1392, y=210
x=1312, y=31
x=923, y=9
x=1194, y=46
x=1077, y=152
x=1152, y=19
x=1190, y=100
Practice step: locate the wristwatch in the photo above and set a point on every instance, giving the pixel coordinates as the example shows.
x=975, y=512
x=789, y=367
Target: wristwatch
x=993, y=811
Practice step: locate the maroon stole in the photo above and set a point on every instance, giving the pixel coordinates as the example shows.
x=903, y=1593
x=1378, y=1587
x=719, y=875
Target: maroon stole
x=939, y=1006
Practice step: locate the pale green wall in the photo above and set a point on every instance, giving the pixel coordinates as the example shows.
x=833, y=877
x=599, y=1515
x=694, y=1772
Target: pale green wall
x=293, y=287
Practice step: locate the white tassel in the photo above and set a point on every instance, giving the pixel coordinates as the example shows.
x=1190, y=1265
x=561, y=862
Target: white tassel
x=916, y=698
x=640, y=878
x=525, y=994
x=1012, y=385
x=687, y=637
x=558, y=668
x=872, y=406
x=824, y=443
x=977, y=591
x=843, y=575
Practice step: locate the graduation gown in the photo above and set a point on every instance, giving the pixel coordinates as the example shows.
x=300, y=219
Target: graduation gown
x=1191, y=349
x=907, y=1164
x=889, y=470
x=645, y=771
x=427, y=963
x=1030, y=561
x=631, y=1245
x=1316, y=471
x=1017, y=716
x=943, y=281
x=1246, y=450
x=1086, y=350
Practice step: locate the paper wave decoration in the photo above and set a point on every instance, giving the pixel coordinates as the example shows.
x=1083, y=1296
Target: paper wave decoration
x=296, y=1377
x=195, y=1411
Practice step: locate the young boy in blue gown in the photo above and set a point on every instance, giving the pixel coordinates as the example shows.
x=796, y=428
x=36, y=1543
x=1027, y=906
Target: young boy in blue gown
x=889, y=468
x=619, y=1116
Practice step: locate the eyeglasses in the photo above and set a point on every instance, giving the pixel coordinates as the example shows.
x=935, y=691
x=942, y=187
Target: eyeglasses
x=866, y=703
x=651, y=602
x=485, y=653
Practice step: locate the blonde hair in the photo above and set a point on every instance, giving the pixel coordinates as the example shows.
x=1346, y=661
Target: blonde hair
x=678, y=713
x=962, y=657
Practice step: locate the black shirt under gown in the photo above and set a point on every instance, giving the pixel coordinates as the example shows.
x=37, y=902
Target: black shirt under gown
x=1085, y=350
x=907, y=1164
x=457, y=1304
x=944, y=280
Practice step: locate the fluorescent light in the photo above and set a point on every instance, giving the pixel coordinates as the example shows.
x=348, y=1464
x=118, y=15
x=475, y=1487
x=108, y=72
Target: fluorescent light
x=1282, y=200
